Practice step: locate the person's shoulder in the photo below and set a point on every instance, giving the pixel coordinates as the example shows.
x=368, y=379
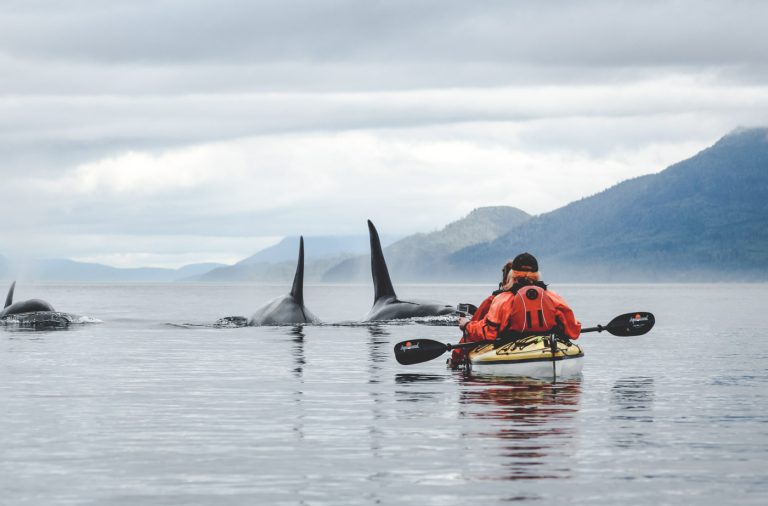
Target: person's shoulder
x=556, y=297
x=502, y=295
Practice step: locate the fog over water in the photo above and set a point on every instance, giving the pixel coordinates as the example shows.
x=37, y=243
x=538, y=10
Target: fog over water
x=134, y=410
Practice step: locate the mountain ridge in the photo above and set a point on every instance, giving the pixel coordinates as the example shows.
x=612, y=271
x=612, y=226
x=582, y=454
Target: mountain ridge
x=67, y=270
x=675, y=224
x=703, y=218
x=421, y=257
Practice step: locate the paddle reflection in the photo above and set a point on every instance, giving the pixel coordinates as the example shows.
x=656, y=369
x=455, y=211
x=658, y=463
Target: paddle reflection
x=632, y=406
x=533, y=423
x=405, y=378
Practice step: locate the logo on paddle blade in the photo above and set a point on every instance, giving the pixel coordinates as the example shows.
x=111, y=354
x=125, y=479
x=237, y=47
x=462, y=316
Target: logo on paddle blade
x=638, y=320
x=408, y=346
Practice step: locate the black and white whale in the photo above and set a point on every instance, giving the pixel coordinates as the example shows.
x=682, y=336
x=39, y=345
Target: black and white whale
x=386, y=305
x=288, y=309
x=24, y=306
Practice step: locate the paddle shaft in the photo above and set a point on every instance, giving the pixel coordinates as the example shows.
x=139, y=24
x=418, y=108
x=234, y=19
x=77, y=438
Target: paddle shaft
x=464, y=346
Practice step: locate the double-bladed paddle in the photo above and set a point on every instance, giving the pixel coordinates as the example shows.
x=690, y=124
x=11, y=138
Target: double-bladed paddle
x=416, y=351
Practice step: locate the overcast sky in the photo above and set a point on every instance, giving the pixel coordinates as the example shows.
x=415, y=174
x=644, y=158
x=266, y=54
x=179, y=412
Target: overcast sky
x=167, y=132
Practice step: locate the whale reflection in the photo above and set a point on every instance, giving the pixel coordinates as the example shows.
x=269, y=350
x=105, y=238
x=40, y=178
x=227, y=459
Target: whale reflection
x=297, y=336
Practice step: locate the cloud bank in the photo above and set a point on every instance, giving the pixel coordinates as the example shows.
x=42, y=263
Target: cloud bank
x=166, y=132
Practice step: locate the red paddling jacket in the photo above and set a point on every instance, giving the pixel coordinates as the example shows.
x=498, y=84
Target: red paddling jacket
x=457, y=355
x=527, y=308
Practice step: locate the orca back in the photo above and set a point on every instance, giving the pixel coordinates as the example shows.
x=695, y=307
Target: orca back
x=24, y=306
x=27, y=306
x=287, y=309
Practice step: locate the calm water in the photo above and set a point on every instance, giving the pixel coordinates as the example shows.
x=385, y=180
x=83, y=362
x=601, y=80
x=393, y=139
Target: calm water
x=136, y=411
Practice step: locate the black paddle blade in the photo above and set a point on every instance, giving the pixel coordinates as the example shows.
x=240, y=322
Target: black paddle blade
x=631, y=324
x=419, y=350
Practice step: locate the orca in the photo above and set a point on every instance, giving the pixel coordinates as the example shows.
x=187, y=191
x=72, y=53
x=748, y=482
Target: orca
x=288, y=309
x=386, y=305
x=24, y=306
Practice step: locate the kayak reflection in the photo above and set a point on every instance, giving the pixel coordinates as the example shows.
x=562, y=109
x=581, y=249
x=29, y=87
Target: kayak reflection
x=533, y=423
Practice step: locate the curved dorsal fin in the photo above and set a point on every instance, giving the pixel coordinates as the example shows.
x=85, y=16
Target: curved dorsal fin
x=382, y=285
x=9, y=298
x=297, y=291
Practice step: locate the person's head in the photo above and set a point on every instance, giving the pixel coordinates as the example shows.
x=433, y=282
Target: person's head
x=505, y=273
x=523, y=267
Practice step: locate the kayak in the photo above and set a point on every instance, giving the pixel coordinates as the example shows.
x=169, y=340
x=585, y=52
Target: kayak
x=530, y=357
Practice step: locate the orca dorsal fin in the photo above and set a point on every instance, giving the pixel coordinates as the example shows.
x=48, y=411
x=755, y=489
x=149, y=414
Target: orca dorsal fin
x=297, y=291
x=9, y=298
x=382, y=285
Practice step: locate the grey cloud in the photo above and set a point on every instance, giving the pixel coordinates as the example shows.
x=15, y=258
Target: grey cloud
x=543, y=33
x=30, y=77
x=51, y=132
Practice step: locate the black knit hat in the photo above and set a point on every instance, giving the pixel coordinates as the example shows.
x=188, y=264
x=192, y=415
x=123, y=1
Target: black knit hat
x=525, y=262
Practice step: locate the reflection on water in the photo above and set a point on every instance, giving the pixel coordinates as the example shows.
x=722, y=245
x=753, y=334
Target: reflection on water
x=632, y=404
x=297, y=337
x=405, y=378
x=378, y=351
x=534, y=422
x=377, y=330
x=634, y=398
x=133, y=411
x=297, y=333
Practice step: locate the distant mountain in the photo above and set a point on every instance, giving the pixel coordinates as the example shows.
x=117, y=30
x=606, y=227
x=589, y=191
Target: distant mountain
x=702, y=219
x=315, y=247
x=705, y=218
x=62, y=270
x=192, y=270
x=277, y=264
x=270, y=272
x=422, y=257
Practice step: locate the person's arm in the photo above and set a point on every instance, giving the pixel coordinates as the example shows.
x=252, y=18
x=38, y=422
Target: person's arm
x=494, y=322
x=472, y=334
x=481, y=330
x=571, y=326
x=482, y=310
x=474, y=330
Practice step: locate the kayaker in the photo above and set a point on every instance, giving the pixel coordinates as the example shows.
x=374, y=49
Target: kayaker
x=524, y=305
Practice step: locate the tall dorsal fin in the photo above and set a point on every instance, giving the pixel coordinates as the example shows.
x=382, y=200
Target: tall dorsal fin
x=297, y=291
x=9, y=298
x=382, y=285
